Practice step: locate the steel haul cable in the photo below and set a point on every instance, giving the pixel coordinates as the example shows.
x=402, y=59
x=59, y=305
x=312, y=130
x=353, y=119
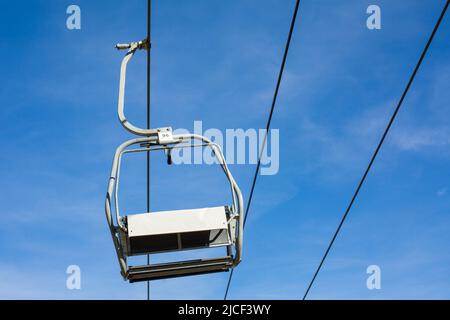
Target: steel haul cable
x=274, y=101
x=149, y=40
x=372, y=160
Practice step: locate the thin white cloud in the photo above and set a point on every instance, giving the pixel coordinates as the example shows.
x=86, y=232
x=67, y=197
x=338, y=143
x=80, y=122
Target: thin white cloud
x=416, y=139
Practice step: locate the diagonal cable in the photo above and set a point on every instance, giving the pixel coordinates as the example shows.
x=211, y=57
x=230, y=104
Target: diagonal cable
x=372, y=160
x=269, y=120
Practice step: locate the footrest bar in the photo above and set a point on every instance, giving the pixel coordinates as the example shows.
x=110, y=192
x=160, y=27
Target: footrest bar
x=178, y=269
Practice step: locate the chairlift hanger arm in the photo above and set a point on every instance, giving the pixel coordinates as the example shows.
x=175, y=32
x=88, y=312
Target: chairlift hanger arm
x=132, y=47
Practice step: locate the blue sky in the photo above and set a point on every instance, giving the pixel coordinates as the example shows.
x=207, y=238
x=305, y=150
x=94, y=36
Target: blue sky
x=216, y=61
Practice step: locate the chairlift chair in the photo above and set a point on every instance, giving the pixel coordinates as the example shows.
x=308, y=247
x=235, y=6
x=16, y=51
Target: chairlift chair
x=170, y=231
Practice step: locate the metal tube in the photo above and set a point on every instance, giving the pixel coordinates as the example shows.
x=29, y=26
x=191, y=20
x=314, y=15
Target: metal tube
x=121, y=101
x=238, y=203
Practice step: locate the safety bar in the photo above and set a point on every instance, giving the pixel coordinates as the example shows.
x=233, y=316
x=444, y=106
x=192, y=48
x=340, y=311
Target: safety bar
x=238, y=203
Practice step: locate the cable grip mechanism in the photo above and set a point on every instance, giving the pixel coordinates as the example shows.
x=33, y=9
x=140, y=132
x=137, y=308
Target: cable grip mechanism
x=140, y=45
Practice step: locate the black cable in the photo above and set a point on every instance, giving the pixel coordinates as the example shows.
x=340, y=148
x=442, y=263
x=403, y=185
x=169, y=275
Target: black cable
x=416, y=69
x=149, y=42
x=275, y=96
